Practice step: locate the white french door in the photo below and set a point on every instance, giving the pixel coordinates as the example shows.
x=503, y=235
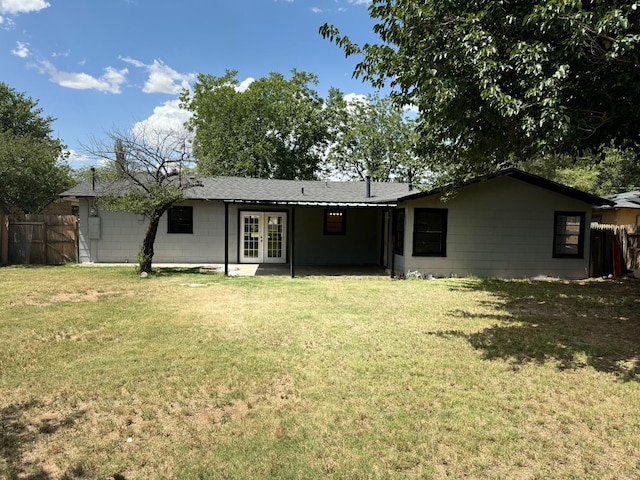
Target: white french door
x=263, y=237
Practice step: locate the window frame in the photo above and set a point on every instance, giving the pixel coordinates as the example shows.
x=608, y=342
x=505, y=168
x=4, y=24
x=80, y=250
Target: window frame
x=182, y=224
x=442, y=252
x=398, y=230
x=581, y=234
x=343, y=224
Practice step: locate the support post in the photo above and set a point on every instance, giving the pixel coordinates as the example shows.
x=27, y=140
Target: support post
x=226, y=239
x=292, y=236
x=392, y=219
x=4, y=239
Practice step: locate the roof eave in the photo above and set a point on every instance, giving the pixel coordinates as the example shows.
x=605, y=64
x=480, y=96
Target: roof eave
x=522, y=176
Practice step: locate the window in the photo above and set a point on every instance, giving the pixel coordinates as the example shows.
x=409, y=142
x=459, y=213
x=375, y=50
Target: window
x=398, y=231
x=568, y=235
x=180, y=220
x=430, y=232
x=335, y=222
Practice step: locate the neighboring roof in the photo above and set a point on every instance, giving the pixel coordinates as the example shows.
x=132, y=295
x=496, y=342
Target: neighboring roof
x=523, y=176
x=257, y=190
x=625, y=200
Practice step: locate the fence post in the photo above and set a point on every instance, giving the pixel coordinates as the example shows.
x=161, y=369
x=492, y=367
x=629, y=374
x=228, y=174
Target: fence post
x=45, y=238
x=4, y=239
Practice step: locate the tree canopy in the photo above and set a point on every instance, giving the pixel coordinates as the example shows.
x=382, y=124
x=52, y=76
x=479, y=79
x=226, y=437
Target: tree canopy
x=611, y=170
x=32, y=168
x=145, y=171
x=371, y=137
x=500, y=81
x=274, y=128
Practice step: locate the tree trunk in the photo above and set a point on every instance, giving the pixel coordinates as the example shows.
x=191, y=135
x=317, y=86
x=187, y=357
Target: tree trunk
x=145, y=257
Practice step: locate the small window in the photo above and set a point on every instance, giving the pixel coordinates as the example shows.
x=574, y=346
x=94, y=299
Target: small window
x=335, y=222
x=568, y=236
x=180, y=220
x=398, y=231
x=430, y=232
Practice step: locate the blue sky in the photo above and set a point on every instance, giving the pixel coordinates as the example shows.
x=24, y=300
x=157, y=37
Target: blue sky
x=100, y=65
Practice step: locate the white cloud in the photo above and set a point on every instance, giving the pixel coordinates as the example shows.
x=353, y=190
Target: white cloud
x=316, y=10
x=356, y=97
x=411, y=109
x=110, y=81
x=61, y=54
x=162, y=78
x=22, y=6
x=360, y=2
x=245, y=84
x=76, y=159
x=21, y=50
x=167, y=118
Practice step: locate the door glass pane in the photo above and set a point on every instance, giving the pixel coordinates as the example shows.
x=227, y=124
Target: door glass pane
x=274, y=236
x=251, y=236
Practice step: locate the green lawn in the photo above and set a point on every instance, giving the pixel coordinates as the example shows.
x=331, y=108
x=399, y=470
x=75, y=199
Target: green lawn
x=194, y=375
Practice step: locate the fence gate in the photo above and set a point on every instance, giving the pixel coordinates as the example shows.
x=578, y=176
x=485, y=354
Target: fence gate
x=615, y=249
x=42, y=239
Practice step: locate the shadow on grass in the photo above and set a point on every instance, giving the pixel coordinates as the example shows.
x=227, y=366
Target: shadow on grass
x=18, y=435
x=169, y=271
x=575, y=324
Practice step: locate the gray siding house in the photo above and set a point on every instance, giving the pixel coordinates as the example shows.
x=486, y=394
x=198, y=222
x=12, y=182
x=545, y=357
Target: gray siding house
x=510, y=224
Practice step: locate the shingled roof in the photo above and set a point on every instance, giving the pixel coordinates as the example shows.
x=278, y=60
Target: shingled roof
x=625, y=200
x=257, y=190
x=524, y=177
x=307, y=192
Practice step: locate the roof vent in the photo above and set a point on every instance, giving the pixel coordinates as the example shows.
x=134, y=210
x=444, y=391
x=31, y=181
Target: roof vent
x=367, y=186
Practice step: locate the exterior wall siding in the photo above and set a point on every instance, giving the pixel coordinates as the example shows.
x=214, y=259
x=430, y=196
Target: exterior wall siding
x=619, y=216
x=500, y=228
x=361, y=245
x=121, y=234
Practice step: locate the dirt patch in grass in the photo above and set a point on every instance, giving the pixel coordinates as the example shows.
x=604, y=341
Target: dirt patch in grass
x=43, y=300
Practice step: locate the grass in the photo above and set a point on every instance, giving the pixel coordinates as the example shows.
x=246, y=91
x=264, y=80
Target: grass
x=193, y=375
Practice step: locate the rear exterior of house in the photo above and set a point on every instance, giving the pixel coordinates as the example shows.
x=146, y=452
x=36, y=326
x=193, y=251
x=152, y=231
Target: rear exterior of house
x=502, y=227
x=510, y=224
x=194, y=232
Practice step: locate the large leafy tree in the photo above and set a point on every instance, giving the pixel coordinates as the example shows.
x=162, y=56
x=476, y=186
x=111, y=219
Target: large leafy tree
x=371, y=137
x=499, y=81
x=32, y=168
x=146, y=171
x=275, y=128
x=610, y=171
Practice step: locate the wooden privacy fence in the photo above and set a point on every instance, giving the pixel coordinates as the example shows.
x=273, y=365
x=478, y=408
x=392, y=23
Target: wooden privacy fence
x=615, y=249
x=38, y=239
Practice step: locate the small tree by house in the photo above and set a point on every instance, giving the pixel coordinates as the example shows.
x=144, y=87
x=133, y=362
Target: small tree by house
x=153, y=169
